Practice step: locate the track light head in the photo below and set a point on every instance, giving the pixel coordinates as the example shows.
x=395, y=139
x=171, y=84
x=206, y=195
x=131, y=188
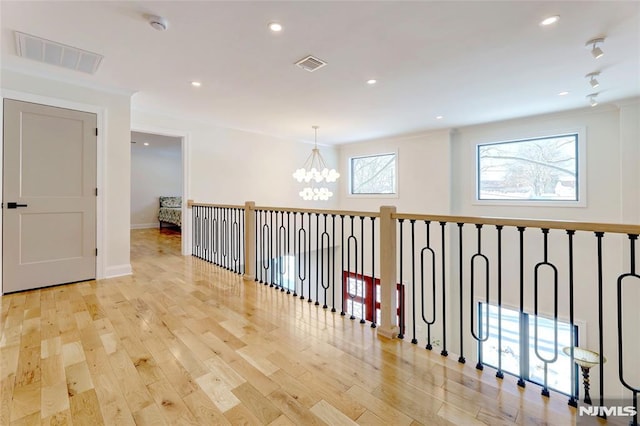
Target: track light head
x=596, y=52
x=592, y=99
x=592, y=79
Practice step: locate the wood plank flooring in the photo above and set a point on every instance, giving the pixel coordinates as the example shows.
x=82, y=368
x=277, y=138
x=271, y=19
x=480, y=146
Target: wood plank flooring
x=184, y=342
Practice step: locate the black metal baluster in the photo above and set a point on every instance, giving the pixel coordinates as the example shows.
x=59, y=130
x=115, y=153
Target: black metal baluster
x=194, y=239
x=632, y=274
x=573, y=398
x=231, y=220
x=205, y=240
x=364, y=288
x=272, y=230
x=302, y=268
x=199, y=232
x=282, y=259
x=229, y=229
x=353, y=239
x=333, y=263
x=545, y=262
x=480, y=337
x=444, y=352
x=414, y=340
x=265, y=249
x=599, y=236
x=200, y=208
x=259, y=248
x=499, y=373
x=234, y=240
x=461, y=358
x=221, y=233
x=257, y=267
x=318, y=263
x=324, y=276
x=225, y=230
x=296, y=237
x=215, y=236
x=309, y=300
x=225, y=239
x=288, y=252
x=243, y=260
x=374, y=291
x=524, y=358
x=235, y=231
x=342, y=272
x=427, y=248
x=193, y=230
x=401, y=301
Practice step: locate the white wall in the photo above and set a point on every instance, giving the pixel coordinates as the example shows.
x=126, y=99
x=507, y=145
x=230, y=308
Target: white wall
x=232, y=166
x=114, y=160
x=156, y=170
x=422, y=173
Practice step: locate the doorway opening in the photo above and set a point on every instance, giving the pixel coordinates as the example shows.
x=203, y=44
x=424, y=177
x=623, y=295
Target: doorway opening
x=158, y=202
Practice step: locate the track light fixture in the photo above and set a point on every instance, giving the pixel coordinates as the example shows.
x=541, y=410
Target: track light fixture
x=592, y=99
x=596, y=52
x=592, y=79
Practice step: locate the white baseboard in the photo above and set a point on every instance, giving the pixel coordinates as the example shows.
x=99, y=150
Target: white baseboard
x=145, y=225
x=118, y=271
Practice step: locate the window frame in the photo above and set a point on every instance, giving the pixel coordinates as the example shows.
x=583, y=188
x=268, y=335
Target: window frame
x=581, y=169
x=579, y=334
x=393, y=194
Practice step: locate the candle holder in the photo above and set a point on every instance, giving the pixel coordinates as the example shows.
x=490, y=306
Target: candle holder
x=585, y=359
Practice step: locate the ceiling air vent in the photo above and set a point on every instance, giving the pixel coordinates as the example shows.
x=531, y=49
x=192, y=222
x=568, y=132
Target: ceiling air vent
x=311, y=63
x=52, y=53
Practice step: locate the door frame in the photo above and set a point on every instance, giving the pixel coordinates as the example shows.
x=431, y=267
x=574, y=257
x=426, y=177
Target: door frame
x=185, y=229
x=101, y=116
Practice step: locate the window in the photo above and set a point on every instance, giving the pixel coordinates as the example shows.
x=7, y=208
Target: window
x=559, y=372
x=540, y=169
x=375, y=174
x=361, y=287
x=284, y=271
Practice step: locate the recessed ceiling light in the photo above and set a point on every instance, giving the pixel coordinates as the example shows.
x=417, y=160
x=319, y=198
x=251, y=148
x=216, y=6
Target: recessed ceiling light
x=275, y=27
x=196, y=84
x=372, y=81
x=439, y=117
x=549, y=21
x=565, y=93
x=146, y=144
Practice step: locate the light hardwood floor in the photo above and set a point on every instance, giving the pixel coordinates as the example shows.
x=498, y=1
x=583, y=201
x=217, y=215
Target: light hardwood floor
x=184, y=342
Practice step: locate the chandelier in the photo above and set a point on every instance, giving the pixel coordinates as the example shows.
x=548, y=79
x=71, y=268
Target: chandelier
x=315, y=172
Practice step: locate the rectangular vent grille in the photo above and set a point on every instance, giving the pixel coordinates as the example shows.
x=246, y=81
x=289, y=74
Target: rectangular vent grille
x=50, y=52
x=311, y=63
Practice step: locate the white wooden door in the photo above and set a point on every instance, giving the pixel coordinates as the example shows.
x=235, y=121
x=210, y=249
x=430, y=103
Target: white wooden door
x=49, y=196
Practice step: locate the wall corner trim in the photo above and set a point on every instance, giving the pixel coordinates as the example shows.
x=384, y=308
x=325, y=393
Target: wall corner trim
x=117, y=271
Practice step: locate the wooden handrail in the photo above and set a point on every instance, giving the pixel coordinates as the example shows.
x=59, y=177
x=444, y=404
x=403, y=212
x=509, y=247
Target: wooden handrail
x=328, y=212
x=527, y=223
x=192, y=203
x=617, y=228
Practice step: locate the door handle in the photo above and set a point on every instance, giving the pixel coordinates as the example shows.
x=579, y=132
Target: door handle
x=13, y=205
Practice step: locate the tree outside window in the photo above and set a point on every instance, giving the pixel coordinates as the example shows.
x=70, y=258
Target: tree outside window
x=531, y=169
x=375, y=174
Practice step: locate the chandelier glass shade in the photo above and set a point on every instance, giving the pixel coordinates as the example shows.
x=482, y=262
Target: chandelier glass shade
x=315, y=172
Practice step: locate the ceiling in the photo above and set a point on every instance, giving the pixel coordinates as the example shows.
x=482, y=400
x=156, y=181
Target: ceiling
x=470, y=62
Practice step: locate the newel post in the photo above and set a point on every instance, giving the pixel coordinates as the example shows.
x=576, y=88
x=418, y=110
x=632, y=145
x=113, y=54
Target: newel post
x=388, y=299
x=249, y=240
